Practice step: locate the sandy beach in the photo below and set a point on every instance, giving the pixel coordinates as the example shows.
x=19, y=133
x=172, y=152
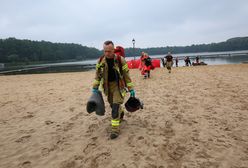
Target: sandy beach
x=195, y=117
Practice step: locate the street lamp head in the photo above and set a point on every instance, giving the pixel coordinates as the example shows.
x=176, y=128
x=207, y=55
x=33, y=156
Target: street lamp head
x=133, y=47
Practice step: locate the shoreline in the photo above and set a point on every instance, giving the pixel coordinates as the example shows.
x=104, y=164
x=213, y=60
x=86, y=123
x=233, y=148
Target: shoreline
x=72, y=68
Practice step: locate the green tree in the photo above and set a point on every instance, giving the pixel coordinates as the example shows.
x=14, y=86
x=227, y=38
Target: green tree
x=13, y=58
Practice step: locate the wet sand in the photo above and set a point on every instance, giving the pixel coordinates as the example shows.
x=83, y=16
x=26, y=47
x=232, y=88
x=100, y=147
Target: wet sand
x=194, y=117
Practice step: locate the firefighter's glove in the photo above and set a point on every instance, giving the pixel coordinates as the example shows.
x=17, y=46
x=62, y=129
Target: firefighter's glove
x=132, y=93
x=94, y=90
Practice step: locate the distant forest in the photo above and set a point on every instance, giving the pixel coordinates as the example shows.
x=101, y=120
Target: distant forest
x=233, y=44
x=14, y=50
x=26, y=51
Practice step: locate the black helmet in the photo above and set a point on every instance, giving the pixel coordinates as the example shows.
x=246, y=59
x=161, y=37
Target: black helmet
x=133, y=104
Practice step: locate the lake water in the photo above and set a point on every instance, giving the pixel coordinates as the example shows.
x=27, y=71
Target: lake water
x=213, y=58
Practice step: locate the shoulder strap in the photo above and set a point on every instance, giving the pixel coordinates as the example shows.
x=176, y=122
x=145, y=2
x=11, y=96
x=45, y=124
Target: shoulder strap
x=101, y=58
x=120, y=67
x=119, y=63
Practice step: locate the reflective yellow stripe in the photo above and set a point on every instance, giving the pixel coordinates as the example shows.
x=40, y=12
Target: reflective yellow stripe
x=96, y=82
x=123, y=93
x=130, y=84
x=98, y=65
x=125, y=67
x=115, y=122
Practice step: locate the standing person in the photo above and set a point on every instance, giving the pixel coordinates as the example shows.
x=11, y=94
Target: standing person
x=197, y=59
x=168, y=61
x=186, y=61
x=176, y=61
x=189, y=61
x=146, y=65
x=113, y=74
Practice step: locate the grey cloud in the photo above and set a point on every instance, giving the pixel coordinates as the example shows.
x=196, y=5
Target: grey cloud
x=152, y=23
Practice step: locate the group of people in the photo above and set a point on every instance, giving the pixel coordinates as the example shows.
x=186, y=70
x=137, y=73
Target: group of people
x=146, y=63
x=112, y=75
x=168, y=61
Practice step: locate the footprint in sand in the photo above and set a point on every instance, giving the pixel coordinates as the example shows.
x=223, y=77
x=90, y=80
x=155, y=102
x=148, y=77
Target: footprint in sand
x=130, y=140
x=179, y=118
x=26, y=164
x=68, y=164
x=137, y=155
x=195, y=135
x=61, y=100
x=161, y=149
x=76, y=116
x=78, y=157
x=175, y=151
x=60, y=144
x=3, y=122
x=167, y=131
x=28, y=116
x=48, y=122
x=23, y=139
x=90, y=146
x=45, y=151
x=5, y=103
x=92, y=128
x=71, y=109
x=140, y=138
x=30, y=131
x=203, y=154
x=96, y=160
x=66, y=126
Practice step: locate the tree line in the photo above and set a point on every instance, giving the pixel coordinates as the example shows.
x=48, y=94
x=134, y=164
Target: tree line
x=15, y=50
x=26, y=51
x=233, y=44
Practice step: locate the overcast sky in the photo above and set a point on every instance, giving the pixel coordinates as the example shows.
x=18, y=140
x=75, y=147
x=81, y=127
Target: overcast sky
x=152, y=23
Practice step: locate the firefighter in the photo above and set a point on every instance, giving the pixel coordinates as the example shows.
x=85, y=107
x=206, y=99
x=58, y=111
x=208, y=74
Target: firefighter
x=112, y=75
x=146, y=65
x=168, y=61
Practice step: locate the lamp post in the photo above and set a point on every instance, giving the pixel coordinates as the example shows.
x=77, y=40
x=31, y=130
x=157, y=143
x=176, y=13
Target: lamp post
x=133, y=41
